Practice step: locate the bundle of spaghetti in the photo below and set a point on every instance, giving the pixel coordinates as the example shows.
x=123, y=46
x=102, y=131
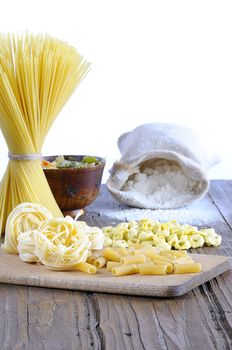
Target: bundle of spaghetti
x=37, y=76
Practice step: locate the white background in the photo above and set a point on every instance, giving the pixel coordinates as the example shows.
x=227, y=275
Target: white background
x=166, y=61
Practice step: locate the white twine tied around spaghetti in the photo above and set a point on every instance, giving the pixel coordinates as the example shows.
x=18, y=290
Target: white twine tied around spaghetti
x=32, y=156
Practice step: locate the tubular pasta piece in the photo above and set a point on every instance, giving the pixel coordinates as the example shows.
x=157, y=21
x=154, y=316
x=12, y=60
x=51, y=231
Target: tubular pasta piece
x=173, y=253
x=183, y=260
x=133, y=259
x=111, y=254
x=91, y=259
x=160, y=259
x=111, y=264
x=169, y=266
x=123, y=251
x=187, y=268
x=119, y=243
x=123, y=270
x=85, y=267
x=153, y=270
x=146, y=264
x=143, y=251
x=100, y=262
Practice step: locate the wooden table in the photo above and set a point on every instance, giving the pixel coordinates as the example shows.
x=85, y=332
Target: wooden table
x=39, y=318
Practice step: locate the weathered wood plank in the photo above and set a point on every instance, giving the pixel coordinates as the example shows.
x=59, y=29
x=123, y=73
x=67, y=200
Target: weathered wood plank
x=36, y=318
x=104, y=211
x=221, y=194
x=199, y=320
x=177, y=323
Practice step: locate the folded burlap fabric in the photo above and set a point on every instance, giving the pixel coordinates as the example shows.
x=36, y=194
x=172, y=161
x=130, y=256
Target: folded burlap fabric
x=162, y=166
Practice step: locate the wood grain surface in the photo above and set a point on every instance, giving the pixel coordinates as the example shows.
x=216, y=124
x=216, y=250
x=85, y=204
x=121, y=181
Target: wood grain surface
x=39, y=318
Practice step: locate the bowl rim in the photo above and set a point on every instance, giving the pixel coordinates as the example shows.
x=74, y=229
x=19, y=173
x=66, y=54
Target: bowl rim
x=66, y=170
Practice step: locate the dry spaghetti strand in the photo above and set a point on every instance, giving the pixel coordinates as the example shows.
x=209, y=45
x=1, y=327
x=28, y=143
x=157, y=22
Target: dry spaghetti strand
x=37, y=76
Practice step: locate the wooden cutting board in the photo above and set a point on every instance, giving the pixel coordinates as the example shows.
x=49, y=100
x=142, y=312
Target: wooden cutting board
x=15, y=271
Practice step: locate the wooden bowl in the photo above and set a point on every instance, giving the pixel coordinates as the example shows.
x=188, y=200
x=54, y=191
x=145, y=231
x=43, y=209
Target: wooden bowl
x=74, y=188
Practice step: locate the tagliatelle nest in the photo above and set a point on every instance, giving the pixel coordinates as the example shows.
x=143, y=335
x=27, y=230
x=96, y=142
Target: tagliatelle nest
x=26, y=217
x=26, y=246
x=96, y=236
x=59, y=244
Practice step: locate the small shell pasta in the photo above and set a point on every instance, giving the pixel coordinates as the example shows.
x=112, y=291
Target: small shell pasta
x=164, y=236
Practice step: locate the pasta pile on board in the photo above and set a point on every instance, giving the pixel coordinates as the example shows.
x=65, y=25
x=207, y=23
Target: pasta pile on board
x=38, y=74
x=145, y=261
x=167, y=235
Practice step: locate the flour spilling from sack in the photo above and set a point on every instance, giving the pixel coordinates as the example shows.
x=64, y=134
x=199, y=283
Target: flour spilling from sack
x=165, y=184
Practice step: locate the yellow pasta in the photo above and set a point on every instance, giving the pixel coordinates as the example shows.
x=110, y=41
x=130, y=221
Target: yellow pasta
x=123, y=251
x=165, y=236
x=38, y=74
x=91, y=259
x=111, y=264
x=140, y=251
x=133, y=259
x=173, y=253
x=183, y=260
x=111, y=254
x=85, y=267
x=147, y=250
x=59, y=245
x=169, y=266
x=26, y=246
x=187, y=268
x=95, y=234
x=160, y=259
x=153, y=270
x=23, y=220
x=123, y=270
x=146, y=264
x=100, y=262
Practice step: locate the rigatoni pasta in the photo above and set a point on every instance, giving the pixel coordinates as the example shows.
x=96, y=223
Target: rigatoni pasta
x=100, y=262
x=123, y=270
x=153, y=270
x=111, y=264
x=133, y=259
x=187, y=268
x=85, y=267
x=111, y=254
x=167, y=263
